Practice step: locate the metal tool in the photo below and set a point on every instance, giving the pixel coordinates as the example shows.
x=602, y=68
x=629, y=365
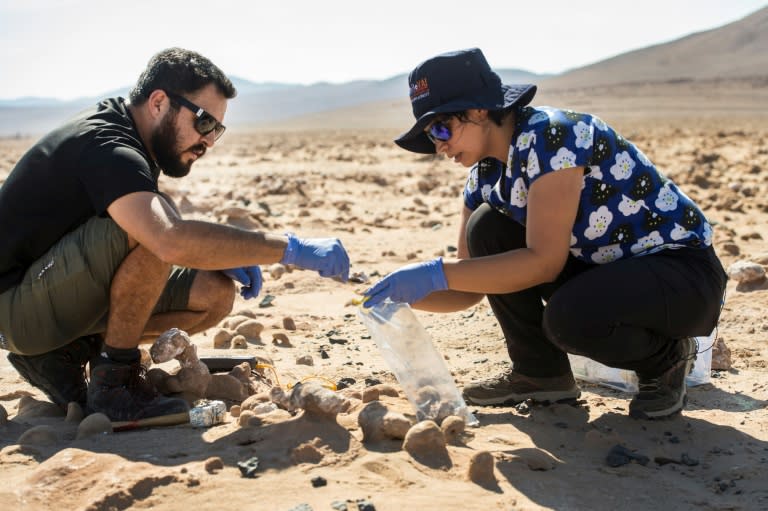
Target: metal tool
x=203, y=415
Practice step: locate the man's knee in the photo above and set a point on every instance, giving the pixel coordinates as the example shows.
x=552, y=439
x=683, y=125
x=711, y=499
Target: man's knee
x=214, y=292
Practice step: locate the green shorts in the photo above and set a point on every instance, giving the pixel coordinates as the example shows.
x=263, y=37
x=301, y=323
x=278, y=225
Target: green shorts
x=65, y=293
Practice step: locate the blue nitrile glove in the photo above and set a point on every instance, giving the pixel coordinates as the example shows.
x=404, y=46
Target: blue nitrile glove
x=326, y=255
x=249, y=277
x=408, y=284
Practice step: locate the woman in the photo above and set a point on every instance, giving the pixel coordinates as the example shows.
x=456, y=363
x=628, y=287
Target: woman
x=579, y=243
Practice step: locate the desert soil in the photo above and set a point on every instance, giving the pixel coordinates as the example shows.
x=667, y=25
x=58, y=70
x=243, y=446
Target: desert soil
x=390, y=208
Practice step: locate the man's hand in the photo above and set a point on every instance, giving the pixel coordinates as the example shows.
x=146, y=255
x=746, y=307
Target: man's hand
x=409, y=284
x=249, y=277
x=326, y=255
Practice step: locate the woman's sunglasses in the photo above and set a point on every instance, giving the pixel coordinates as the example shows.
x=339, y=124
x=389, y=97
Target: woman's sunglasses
x=205, y=123
x=438, y=131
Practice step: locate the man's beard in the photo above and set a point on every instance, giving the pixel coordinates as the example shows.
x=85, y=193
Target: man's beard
x=163, y=142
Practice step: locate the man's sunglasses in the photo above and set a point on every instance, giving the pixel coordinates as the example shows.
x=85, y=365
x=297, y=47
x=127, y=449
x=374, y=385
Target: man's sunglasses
x=438, y=131
x=205, y=123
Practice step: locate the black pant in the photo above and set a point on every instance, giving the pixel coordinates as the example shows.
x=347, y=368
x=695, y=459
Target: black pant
x=627, y=314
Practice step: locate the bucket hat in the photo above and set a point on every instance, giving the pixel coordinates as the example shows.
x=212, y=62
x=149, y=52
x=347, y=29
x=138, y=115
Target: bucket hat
x=454, y=82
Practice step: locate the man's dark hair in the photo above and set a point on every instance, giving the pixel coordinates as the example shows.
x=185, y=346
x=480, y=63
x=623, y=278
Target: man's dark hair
x=180, y=71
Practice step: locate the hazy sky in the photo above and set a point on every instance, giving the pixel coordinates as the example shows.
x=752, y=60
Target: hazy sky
x=70, y=48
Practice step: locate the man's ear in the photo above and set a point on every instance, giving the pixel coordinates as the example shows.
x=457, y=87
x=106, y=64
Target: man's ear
x=158, y=103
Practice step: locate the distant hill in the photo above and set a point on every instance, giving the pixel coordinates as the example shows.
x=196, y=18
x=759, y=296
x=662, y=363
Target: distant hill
x=726, y=66
x=736, y=51
x=256, y=104
x=272, y=107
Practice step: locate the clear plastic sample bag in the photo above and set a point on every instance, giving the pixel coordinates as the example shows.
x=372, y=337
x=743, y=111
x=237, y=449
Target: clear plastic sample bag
x=588, y=370
x=421, y=371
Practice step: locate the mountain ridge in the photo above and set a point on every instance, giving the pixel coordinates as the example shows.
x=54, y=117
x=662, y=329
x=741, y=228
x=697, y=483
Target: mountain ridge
x=735, y=51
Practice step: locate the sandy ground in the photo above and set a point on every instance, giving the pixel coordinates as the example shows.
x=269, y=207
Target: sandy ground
x=390, y=207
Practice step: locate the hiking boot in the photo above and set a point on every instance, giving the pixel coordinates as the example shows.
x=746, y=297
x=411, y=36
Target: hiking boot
x=123, y=393
x=665, y=395
x=510, y=387
x=60, y=373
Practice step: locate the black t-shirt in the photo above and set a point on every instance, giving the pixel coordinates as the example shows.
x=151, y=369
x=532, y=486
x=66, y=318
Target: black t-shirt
x=72, y=174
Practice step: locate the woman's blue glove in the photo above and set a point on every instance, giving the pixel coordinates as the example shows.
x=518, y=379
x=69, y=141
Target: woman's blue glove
x=249, y=277
x=408, y=284
x=326, y=255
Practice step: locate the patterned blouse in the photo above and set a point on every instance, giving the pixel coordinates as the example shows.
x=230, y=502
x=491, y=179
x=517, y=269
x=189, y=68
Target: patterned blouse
x=627, y=207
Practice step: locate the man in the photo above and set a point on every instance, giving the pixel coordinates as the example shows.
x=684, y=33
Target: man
x=95, y=258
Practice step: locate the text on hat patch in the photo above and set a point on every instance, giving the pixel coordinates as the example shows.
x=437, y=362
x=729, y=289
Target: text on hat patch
x=419, y=89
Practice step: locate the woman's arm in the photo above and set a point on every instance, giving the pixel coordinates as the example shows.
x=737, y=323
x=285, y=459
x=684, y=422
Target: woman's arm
x=450, y=300
x=552, y=205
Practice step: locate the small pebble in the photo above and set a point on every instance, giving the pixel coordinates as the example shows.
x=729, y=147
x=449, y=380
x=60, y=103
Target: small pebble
x=523, y=408
x=746, y=271
x=245, y=417
x=481, y=468
x=305, y=360
x=222, y=339
x=38, y=435
x=74, y=412
x=319, y=481
x=280, y=339
x=94, y=424
x=250, y=329
x=425, y=440
x=453, y=426
x=31, y=407
x=345, y=382
x=249, y=467
x=365, y=505
x=239, y=342
x=276, y=270
x=620, y=455
x=213, y=464
x=289, y=324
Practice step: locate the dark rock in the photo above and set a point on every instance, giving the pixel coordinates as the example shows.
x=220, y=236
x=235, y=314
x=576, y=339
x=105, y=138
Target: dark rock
x=365, y=505
x=249, y=467
x=345, y=382
x=620, y=455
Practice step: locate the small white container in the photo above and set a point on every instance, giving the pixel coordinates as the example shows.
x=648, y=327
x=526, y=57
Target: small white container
x=207, y=414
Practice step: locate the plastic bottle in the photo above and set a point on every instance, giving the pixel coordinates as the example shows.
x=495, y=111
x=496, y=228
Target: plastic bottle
x=409, y=352
x=588, y=370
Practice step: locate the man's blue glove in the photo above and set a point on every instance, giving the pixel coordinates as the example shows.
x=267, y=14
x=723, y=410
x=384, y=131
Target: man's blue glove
x=249, y=277
x=408, y=284
x=326, y=255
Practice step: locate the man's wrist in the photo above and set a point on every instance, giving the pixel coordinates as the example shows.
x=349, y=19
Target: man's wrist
x=291, y=250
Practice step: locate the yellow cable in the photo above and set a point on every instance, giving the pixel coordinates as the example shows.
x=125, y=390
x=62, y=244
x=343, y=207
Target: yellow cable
x=274, y=372
x=328, y=383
